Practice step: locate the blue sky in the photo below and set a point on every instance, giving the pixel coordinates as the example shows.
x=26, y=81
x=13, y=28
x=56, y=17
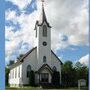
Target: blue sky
x=69, y=28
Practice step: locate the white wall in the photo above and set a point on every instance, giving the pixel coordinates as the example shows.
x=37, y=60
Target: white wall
x=43, y=50
x=14, y=77
x=55, y=62
x=31, y=59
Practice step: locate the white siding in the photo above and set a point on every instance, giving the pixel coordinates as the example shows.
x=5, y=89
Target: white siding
x=15, y=80
x=55, y=62
x=43, y=50
x=31, y=60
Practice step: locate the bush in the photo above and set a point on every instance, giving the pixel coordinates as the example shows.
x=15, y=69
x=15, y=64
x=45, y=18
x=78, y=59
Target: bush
x=56, y=78
x=6, y=75
x=32, y=78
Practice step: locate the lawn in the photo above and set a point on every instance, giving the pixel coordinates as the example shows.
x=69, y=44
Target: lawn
x=37, y=88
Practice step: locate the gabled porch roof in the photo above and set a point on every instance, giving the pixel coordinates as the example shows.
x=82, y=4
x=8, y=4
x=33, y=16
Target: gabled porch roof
x=45, y=66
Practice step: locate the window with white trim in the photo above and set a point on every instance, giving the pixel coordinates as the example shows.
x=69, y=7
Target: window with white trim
x=28, y=70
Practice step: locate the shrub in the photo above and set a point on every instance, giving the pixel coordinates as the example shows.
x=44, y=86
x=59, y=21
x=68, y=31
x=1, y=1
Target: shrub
x=32, y=78
x=56, y=78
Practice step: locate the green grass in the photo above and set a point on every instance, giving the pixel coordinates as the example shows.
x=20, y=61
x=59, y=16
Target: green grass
x=37, y=88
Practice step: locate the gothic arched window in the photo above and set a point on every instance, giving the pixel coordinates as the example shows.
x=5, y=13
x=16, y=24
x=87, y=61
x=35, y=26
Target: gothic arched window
x=28, y=70
x=54, y=68
x=44, y=30
x=44, y=59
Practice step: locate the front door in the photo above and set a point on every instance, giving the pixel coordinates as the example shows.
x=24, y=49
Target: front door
x=44, y=78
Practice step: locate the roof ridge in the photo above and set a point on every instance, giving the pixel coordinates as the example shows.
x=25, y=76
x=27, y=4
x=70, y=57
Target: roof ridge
x=21, y=60
x=27, y=54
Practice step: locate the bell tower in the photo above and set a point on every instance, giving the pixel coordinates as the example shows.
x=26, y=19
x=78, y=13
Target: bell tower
x=43, y=39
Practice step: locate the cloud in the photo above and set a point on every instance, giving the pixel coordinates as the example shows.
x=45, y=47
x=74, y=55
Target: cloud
x=20, y=3
x=84, y=60
x=80, y=27
x=68, y=18
x=17, y=40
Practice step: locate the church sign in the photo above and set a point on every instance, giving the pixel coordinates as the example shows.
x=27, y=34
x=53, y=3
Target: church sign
x=82, y=84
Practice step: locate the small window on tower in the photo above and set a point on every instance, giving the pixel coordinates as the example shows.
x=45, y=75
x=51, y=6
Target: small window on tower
x=44, y=59
x=44, y=30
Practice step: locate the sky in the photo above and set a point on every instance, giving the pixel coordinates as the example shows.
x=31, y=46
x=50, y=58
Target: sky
x=69, y=32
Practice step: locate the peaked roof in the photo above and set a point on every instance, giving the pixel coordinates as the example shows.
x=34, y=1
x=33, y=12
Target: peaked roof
x=56, y=57
x=45, y=66
x=25, y=55
x=22, y=58
x=42, y=19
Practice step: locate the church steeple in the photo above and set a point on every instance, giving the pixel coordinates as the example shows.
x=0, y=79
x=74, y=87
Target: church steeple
x=42, y=18
x=43, y=39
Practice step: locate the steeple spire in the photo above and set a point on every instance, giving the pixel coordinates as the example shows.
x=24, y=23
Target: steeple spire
x=42, y=18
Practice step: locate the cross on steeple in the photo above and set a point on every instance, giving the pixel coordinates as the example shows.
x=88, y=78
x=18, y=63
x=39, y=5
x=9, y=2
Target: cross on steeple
x=42, y=3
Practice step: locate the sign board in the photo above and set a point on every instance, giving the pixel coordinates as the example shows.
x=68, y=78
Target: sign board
x=81, y=84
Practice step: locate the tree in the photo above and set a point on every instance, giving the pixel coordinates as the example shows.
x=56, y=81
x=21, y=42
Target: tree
x=56, y=78
x=10, y=62
x=82, y=71
x=6, y=75
x=7, y=70
x=20, y=56
x=68, y=74
x=72, y=73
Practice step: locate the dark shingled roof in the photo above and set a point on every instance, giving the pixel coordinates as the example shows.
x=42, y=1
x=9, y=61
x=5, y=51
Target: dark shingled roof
x=24, y=56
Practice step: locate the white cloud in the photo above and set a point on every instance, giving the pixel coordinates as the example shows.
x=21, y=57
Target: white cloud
x=20, y=3
x=10, y=15
x=84, y=60
x=67, y=17
x=79, y=26
x=26, y=33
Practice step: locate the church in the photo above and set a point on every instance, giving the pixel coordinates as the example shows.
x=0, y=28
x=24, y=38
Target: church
x=41, y=59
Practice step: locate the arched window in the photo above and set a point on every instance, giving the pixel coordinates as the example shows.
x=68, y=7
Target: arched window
x=54, y=68
x=44, y=59
x=28, y=70
x=44, y=30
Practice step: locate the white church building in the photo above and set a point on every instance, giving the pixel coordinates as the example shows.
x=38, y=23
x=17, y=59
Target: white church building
x=41, y=59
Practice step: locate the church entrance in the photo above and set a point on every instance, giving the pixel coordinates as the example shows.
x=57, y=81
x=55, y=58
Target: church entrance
x=45, y=74
x=44, y=78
